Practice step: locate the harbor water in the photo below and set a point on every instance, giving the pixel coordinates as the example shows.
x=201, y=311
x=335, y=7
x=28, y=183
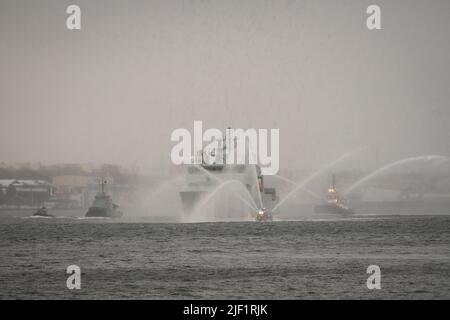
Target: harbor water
x=324, y=258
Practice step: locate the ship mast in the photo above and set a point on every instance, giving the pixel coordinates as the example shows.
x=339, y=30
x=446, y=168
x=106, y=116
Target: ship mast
x=227, y=144
x=103, y=185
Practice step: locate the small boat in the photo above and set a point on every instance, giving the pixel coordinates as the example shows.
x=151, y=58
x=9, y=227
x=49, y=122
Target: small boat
x=103, y=207
x=42, y=212
x=334, y=202
x=263, y=215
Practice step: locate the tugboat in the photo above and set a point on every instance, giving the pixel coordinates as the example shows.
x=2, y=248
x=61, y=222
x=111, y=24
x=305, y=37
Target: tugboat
x=334, y=202
x=42, y=212
x=263, y=215
x=103, y=207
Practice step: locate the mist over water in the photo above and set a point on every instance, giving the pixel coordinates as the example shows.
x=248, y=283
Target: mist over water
x=161, y=203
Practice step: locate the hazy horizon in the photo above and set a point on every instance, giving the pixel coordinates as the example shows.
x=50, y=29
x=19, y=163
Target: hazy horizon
x=115, y=90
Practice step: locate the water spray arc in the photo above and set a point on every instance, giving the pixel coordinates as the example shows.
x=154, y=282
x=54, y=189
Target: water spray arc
x=391, y=166
x=293, y=183
x=319, y=172
x=224, y=184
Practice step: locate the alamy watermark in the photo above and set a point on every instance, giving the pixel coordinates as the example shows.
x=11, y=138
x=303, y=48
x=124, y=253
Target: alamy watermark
x=237, y=146
x=74, y=280
x=374, y=280
x=73, y=21
x=373, y=21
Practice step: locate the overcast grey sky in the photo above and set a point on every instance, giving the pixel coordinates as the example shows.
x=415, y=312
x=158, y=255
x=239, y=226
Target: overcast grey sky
x=115, y=90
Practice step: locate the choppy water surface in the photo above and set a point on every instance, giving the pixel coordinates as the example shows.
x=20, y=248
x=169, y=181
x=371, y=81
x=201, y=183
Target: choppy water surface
x=316, y=258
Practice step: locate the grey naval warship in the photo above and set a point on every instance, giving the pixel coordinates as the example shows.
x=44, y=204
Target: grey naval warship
x=102, y=206
x=205, y=177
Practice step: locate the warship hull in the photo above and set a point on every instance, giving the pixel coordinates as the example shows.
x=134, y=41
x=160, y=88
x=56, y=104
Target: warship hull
x=245, y=191
x=190, y=198
x=103, y=213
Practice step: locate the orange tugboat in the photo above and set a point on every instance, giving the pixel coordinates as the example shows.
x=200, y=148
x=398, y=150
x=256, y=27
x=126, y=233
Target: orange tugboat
x=334, y=202
x=263, y=215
